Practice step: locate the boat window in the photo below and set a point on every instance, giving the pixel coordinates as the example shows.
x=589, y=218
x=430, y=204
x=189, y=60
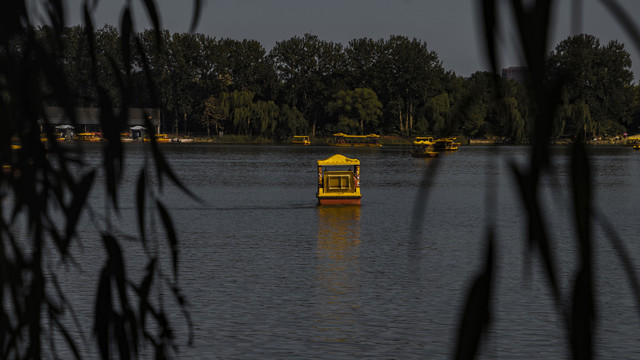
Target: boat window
x=338, y=181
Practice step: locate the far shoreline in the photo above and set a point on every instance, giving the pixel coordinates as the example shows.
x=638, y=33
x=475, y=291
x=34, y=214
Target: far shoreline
x=389, y=140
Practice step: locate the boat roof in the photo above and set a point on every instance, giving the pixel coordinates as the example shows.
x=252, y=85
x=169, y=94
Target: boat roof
x=337, y=160
x=358, y=136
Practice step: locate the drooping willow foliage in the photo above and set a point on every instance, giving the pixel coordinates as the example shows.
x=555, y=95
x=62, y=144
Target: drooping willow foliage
x=44, y=188
x=575, y=303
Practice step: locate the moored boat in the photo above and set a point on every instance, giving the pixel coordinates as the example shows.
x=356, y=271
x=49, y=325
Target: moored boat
x=446, y=144
x=160, y=138
x=88, y=136
x=423, y=148
x=125, y=136
x=424, y=138
x=338, y=181
x=301, y=140
x=341, y=139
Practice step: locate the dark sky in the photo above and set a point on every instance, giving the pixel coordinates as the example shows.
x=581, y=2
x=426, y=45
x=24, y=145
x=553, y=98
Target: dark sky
x=451, y=28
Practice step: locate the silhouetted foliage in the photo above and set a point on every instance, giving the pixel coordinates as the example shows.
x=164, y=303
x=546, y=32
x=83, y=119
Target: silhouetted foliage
x=44, y=188
x=553, y=84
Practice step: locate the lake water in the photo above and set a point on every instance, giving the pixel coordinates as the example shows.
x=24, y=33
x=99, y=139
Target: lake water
x=270, y=275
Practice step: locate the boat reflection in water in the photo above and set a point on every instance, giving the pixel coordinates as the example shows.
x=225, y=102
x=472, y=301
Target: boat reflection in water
x=337, y=273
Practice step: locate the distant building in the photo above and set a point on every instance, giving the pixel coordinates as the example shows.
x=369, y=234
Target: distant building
x=517, y=73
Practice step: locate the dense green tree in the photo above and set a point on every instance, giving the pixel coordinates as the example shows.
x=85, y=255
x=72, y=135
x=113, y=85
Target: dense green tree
x=510, y=120
x=489, y=106
x=77, y=63
x=598, y=76
x=476, y=104
x=453, y=86
x=212, y=115
x=180, y=90
x=562, y=116
x=634, y=127
x=237, y=107
x=438, y=108
x=264, y=118
x=582, y=120
x=110, y=63
x=74, y=50
x=309, y=70
x=475, y=124
x=291, y=122
x=363, y=63
x=410, y=74
x=244, y=66
x=356, y=110
x=153, y=59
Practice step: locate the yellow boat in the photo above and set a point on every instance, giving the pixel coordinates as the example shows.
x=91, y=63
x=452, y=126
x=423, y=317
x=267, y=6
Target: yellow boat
x=301, y=140
x=339, y=181
x=341, y=139
x=446, y=144
x=424, y=138
x=160, y=138
x=88, y=136
x=424, y=148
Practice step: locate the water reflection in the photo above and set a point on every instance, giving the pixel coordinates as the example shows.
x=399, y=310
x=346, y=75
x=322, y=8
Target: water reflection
x=337, y=272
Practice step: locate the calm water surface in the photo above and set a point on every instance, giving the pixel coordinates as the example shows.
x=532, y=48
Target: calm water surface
x=270, y=275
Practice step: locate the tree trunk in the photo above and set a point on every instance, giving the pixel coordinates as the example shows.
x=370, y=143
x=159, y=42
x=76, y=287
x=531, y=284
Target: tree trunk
x=410, y=117
x=313, y=129
x=406, y=121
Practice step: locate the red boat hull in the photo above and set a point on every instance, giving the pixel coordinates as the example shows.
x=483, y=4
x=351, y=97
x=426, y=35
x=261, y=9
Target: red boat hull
x=339, y=201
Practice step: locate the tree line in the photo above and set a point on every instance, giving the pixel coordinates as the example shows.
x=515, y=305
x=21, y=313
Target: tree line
x=304, y=85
